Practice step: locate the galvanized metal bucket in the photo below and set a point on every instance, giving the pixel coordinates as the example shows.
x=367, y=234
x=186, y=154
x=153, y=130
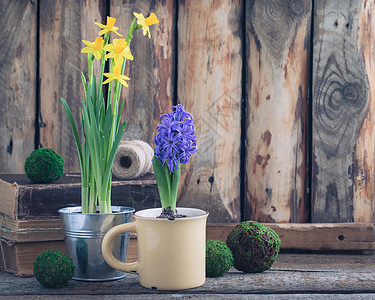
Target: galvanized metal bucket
x=83, y=238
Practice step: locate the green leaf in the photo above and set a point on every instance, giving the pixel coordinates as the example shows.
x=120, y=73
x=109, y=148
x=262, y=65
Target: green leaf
x=91, y=140
x=108, y=122
x=163, y=181
x=84, y=83
x=74, y=129
x=120, y=112
x=174, y=189
x=111, y=158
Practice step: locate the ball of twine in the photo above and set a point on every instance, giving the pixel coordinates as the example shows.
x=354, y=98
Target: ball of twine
x=133, y=159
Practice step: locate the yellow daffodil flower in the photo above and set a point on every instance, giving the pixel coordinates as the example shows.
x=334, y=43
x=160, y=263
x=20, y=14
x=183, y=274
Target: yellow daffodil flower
x=116, y=75
x=110, y=26
x=94, y=47
x=146, y=23
x=118, y=51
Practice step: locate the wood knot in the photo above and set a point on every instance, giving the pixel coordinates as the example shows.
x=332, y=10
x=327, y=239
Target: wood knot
x=296, y=7
x=10, y=147
x=350, y=92
x=269, y=193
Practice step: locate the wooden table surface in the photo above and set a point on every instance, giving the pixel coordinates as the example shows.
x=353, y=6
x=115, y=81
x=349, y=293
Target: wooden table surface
x=293, y=276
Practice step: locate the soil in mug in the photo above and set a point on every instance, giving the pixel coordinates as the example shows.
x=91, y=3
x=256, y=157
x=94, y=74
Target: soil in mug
x=170, y=214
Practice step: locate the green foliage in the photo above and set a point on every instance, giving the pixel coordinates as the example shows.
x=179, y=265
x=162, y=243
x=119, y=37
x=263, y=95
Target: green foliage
x=219, y=258
x=53, y=269
x=101, y=137
x=167, y=183
x=101, y=133
x=254, y=246
x=44, y=165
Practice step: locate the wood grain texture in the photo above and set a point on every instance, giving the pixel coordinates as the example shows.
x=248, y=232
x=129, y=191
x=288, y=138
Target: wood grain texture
x=277, y=35
x=297, y=276
x=322, y=236
x=17, y=83
x=151, y=73
x=363, y=170
x=209, y=86
x=344, y=236
x=340, y=98
x=63, y=26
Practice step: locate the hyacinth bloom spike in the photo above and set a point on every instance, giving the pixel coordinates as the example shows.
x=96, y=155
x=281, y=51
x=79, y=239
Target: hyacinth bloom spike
x=175, y=144
x=175, y=140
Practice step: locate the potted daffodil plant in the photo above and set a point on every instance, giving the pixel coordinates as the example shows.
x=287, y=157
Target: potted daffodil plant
x=171, y=240
x=101, y=131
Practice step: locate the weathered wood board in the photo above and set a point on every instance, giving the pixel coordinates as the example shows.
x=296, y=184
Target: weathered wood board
x=277, y=52
x=344, y=237
x=219, y=63
x=209, y=86
x=341, y=114
x=304, y=236
x=151, y=73
x=18, y=27
x=291, y=277
x=63, y=26
x=363, y=170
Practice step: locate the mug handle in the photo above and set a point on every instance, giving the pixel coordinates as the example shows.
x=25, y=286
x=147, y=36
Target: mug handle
x=107, y=248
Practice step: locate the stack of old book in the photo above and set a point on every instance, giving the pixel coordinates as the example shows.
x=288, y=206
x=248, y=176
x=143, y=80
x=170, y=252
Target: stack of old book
x=30, y=223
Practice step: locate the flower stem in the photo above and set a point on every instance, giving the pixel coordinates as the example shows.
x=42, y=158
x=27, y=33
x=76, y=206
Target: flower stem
x=129, y=37
x=93, y=195
x=133, y=27
x=84, y=198
x=106, y=39
x=110, y=87
x=90, y=62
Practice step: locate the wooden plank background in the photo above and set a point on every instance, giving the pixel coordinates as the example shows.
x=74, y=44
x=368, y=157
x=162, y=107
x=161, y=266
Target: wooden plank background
x=340, y=105
x=282, y=93
x=17, y=83
x=277, y=86
x=150, y=93
x=209, y=86
x=63, y=26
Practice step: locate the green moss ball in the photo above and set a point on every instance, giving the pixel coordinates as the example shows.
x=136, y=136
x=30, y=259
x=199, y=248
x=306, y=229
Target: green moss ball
x=254, y=246
x=44, y=165
x=53, y=269
x=219, y=258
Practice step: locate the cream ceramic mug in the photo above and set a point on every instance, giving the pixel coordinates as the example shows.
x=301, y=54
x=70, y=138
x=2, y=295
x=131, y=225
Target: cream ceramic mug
x=171, y=253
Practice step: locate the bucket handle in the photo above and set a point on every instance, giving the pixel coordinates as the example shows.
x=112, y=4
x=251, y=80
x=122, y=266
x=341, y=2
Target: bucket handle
x=107, y=248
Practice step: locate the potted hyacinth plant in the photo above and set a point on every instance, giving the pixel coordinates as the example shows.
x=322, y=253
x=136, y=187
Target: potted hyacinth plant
x=101, y=132
x=175, y=144
x=171, y=240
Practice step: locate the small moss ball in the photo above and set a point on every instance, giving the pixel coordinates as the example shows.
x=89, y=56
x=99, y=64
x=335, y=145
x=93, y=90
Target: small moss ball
x=219, y=258
x=254, y=246
x=44, y=165
x=53, y=269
